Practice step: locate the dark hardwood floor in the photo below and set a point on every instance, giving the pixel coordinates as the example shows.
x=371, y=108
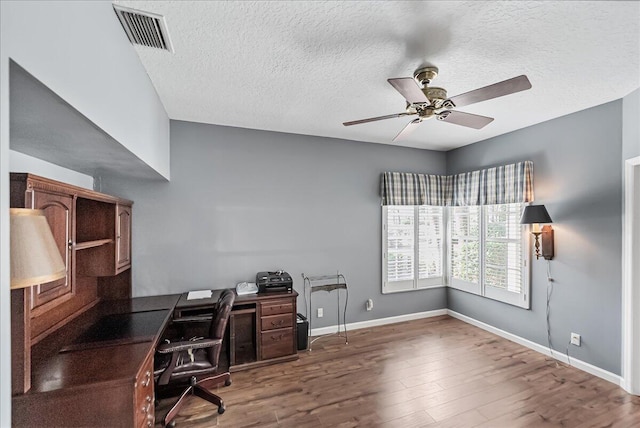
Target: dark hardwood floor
x=435, y=372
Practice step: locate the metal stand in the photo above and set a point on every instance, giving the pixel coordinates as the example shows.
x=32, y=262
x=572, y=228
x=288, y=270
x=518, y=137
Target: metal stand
x=327, y=283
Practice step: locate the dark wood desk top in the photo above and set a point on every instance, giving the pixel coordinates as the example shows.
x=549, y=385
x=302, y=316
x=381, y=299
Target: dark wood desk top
x=249, y=298
x=53, y=370
x=185, y=306
x=215, y=294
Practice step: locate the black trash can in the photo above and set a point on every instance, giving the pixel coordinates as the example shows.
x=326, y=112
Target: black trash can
x=303, y=332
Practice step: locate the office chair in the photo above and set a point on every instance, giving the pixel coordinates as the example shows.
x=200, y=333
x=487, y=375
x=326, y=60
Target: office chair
x=196, y=360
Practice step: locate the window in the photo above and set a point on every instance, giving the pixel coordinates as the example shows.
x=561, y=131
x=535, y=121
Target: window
x=413, y=247
x=464, y=248
x=485, y=250
x=487, y=254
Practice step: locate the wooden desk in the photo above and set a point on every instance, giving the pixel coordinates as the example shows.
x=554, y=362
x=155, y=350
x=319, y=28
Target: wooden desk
x=261, y=329
x=94, y=385
x=84, y=376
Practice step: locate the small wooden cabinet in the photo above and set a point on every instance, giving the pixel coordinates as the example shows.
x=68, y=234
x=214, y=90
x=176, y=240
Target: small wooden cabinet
x=277, y=320
x=262, y=330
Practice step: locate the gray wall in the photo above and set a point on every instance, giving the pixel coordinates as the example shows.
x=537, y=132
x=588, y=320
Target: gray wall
x=631, y=125
x=577, y=176
x=242, y=201
x=19, y=162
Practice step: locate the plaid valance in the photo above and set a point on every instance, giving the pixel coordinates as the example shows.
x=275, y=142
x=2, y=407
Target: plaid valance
x=401, y=188
x=499, y=185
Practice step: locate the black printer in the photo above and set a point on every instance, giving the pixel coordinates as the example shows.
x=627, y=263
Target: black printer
x=274, y=281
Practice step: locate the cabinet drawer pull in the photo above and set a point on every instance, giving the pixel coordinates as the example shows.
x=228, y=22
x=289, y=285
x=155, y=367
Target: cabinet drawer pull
x=147, y=379
x=276, y=338
x=277, y=323
x=146, y=408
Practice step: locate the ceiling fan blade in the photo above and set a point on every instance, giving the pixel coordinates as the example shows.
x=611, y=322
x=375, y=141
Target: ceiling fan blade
x=411, y=126
x=496, y=90
x=409, y=89
x=465, y=119
x=373, y=119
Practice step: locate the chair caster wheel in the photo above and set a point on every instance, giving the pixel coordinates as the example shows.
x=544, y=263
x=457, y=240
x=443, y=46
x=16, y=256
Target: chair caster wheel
x=221, y=410
x=227, y=382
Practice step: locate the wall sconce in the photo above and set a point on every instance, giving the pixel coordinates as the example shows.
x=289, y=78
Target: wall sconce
x=534, y=215
x=35, y=257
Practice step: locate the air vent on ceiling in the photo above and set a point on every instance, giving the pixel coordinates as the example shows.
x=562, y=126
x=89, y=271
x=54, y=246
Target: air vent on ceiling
x=144, y=28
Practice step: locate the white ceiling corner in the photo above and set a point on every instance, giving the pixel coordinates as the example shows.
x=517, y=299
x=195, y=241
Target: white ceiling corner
x=305, y=67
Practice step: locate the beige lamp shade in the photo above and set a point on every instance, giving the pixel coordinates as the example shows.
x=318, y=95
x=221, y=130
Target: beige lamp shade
x=35, y=258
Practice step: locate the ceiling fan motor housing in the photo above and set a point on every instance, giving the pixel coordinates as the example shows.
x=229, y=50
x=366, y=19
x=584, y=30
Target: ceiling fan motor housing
x=425, y=75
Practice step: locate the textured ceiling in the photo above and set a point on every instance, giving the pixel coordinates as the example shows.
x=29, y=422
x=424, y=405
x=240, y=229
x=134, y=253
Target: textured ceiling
x=306, y=67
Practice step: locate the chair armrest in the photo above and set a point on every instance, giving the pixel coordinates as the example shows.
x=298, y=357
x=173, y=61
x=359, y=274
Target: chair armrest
x=167, y=348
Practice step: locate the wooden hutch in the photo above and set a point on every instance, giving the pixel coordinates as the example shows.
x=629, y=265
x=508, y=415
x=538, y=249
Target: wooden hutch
x=93, y=233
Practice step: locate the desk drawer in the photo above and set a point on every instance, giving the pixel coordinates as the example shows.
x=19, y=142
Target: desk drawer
x=273, y=322
x=276, y=343
x=144, y=408
x=277, y=307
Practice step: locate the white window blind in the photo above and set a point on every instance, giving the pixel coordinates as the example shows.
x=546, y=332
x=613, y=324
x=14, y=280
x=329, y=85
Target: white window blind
x=464, y=248
x=504, y=264
x=487, y=252
x=413, y=245
x=400, y=243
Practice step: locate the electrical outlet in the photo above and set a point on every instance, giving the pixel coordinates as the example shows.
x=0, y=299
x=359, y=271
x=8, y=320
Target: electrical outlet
x=320, y=312
x=369, y=304
x=575, y=339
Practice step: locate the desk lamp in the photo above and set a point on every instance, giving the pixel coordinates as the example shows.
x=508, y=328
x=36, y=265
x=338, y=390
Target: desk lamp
x=35, y=257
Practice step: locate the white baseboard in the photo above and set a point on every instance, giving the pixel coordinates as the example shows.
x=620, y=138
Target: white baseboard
x=380, y=321
x=574, y=362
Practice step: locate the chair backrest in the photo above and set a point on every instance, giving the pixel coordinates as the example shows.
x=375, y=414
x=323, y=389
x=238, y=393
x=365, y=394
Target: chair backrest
x=219, y=322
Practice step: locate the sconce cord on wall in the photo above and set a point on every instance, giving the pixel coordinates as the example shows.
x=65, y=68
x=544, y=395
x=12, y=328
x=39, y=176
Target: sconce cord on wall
x=549, y=293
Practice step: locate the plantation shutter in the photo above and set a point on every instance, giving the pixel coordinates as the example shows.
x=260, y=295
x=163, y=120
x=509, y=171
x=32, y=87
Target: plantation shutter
x=431, y=242
x=400, y=245
x=413, y=246
x=464, y=248
x=504, y=275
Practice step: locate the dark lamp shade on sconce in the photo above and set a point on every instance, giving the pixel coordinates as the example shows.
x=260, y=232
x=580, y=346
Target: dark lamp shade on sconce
x=534, y=215
x=35, y=257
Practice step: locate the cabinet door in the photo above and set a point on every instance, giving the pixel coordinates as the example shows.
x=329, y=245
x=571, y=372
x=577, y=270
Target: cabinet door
x=58, y=209
x=123, y=237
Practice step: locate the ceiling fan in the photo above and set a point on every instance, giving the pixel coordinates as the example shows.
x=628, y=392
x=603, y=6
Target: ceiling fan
x=427, y=101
